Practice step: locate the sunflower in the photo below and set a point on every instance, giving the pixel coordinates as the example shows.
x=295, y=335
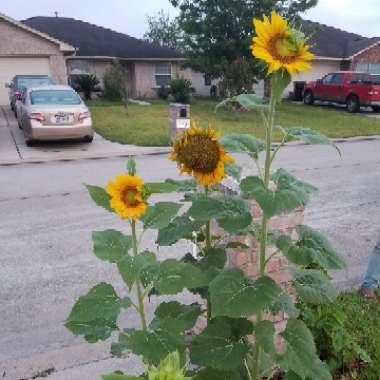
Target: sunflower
x=199, y=153
x=126, y=196
x=280, y=46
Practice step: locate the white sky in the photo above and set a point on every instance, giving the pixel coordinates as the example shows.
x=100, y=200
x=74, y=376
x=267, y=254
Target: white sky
x=129, y=16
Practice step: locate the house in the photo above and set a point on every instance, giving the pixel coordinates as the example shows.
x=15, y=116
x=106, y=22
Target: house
x=148, y=66
x=61, y=47
x=24, y=50
x=336, y=50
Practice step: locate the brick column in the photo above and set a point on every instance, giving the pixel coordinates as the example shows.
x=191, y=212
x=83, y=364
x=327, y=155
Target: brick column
x=247, y=260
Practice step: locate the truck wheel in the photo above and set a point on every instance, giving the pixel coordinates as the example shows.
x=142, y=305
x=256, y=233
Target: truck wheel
x=376, y=108
x=353, y=104
x=308, y=98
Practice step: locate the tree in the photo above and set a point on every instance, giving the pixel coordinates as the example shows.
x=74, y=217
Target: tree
x=86, y=84
x=217, y=32
x=163, y=31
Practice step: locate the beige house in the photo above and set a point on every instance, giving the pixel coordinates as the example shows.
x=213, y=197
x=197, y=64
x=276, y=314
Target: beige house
x=149, y=66
x=24, y=50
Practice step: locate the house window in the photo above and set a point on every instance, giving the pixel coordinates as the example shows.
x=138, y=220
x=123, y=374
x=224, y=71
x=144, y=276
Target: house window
x=163, y=73
x=371, y=68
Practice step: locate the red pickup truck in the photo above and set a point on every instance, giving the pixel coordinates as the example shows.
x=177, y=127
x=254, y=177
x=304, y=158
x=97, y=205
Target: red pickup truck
x=345, y=87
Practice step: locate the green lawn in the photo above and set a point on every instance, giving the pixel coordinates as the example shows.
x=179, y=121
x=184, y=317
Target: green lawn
x=363, y=322
x=148, y=125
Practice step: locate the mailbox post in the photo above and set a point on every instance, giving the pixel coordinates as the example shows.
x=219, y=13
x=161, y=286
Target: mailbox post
x=179, y=119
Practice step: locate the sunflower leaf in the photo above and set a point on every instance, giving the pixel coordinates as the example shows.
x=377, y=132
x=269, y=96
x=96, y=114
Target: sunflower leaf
x=100, y=197
x=160, y=215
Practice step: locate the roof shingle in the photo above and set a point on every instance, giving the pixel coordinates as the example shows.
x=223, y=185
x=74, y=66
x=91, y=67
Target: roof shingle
x=93, y=40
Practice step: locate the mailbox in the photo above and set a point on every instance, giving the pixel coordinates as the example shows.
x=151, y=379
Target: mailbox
x=179, y=119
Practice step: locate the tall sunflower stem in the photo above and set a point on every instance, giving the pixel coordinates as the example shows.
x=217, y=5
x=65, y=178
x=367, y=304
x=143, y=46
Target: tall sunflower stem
x=140, y=296
x=262, y=262
x=208, y=246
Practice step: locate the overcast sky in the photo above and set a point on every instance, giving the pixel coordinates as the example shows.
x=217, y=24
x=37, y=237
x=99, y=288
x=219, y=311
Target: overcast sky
x=129, y=16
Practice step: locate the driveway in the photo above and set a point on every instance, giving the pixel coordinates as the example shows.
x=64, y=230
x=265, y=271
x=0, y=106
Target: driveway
x=47, y=260
x=13, y=149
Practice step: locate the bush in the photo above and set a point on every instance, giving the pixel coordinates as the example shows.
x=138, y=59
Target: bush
x=163, y=92
x=115, y=82
x=238, y=78
x=86, y=84
x=181, y=90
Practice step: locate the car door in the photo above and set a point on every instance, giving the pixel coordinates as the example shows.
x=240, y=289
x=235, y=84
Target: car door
x=321, y=87
x=335, y=89
x=21, y=109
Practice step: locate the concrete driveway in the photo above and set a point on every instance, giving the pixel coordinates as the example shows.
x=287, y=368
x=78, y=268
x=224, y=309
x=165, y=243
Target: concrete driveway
x=13, y=149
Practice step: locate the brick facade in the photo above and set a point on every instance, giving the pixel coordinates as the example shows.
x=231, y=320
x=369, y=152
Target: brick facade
x=372, y=55
x=17, y=42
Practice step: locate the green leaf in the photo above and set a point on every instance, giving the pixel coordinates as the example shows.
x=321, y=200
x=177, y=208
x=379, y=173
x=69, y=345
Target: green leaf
x=264, y=333
x=232, y=213
x=170, y=186
x=285, y=303
x=233, y=294
x=308, y=136
x=291, y=376
x=248, y=101
x=100, y=197
x=176, y=316
x=111, y=245
x=94, y=315
x=280, y=80
x=219, y=346
x=301, y=356
x=159, y=215
x=130, y=267
x=179, y=228
x=213, y=374
x=242, y=143
x=155, y=345
x=174, y=276
x=310, y=248
x=313, y=287
x=233, y=170
x=290, y=193
x=117, y=376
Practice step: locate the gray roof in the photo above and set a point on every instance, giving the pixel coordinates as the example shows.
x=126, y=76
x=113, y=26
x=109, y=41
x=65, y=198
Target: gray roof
x=93, y=40
x=327, y=41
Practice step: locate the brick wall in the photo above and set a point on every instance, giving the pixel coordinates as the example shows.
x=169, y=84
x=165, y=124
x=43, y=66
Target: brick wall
x=16, y=42
x=369, y=56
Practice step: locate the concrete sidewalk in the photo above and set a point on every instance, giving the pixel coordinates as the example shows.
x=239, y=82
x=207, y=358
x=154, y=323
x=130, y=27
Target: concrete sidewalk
x=13, y=149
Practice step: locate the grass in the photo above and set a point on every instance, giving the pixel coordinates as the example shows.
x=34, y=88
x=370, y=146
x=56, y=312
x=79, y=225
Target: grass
x=148, y=125
x=363, y=322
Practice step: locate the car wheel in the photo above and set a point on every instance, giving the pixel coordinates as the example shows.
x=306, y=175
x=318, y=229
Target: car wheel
x=29, y=142
x=376, y=108
x=308, y=98
x=88, y=139
x=353, y=104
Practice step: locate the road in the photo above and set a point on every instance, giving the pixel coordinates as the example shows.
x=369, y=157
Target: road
x=46, y=259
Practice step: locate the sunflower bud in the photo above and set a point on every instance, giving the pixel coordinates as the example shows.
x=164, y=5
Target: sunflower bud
x=169, y=369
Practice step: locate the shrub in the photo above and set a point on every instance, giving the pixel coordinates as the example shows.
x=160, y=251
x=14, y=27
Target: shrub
x=115, y=82
x=180, y=90
x=86, y=84
x=238, y=78
x=163, y=92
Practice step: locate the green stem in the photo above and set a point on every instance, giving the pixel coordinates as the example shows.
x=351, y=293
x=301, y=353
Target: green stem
x=140, y=297
x=269, y=122
x=208, y=246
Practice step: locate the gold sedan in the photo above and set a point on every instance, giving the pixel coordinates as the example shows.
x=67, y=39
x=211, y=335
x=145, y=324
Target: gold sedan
x=53, y=113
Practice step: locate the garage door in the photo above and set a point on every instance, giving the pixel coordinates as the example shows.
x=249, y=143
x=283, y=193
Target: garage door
x=9, y=67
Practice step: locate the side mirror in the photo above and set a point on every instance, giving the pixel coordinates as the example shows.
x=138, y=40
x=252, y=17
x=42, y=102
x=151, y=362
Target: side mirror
x=8, y=85
x=319, y=81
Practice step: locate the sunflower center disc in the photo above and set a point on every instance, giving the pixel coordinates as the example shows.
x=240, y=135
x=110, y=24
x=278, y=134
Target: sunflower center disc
x=130, y=197
x=200, y=154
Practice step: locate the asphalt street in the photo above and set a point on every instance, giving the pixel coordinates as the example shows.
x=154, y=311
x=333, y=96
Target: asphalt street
x=46, y=220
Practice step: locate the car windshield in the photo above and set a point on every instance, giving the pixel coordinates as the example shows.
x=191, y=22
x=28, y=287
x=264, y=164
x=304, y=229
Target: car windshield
x=51, y=97
x=33, y=81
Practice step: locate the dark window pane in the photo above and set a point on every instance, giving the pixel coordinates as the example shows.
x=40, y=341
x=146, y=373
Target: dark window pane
x=337, y=79
x=327, y=79
x=163, y=80
x=207, y=80
x=59, y=97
